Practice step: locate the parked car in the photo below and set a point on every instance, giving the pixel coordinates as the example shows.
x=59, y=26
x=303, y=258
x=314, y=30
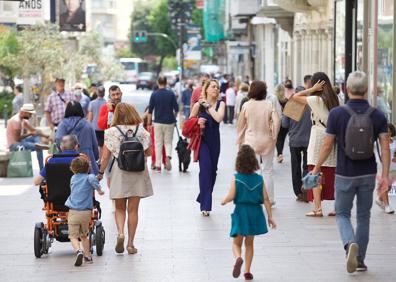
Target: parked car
x=145, y=80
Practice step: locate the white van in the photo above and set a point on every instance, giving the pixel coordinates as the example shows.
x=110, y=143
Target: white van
x=132, y=68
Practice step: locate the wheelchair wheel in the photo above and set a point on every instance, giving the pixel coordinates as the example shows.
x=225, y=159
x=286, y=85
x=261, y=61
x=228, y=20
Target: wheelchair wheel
x=100, y=239
x=38, y=239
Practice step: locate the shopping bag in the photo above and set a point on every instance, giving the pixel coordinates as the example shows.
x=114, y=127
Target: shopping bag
x=20, y=164
x=294, y=110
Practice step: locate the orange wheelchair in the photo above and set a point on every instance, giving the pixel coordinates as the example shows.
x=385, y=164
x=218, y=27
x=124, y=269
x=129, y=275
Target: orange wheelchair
x=55, y=190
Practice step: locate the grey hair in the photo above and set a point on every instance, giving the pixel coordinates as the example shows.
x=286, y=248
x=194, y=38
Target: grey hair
x=357, y=83
x=69, y=142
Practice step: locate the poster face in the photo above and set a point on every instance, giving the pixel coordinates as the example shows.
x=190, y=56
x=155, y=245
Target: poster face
x=72, y=15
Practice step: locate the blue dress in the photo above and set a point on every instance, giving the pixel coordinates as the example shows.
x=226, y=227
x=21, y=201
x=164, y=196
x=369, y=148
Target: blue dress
x=209, y=153
x=248, y=218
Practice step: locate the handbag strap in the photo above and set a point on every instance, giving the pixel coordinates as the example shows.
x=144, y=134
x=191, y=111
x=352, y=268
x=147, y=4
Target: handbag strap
x=74, y=127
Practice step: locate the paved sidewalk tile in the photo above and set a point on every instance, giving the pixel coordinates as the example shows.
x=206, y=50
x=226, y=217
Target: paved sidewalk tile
x=177, y=244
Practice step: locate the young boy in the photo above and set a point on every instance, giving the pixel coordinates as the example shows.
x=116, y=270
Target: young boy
x=80, y=203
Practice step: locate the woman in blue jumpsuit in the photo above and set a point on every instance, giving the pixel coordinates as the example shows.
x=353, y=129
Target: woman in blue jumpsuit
x=210, y=112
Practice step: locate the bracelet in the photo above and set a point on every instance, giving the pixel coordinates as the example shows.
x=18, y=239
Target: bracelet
x=101, y=173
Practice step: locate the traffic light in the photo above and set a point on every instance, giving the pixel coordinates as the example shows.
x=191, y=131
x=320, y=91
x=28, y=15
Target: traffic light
x=140, y=36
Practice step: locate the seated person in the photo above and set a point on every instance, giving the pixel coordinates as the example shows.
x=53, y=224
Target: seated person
x=21, y=133
x=69, y=146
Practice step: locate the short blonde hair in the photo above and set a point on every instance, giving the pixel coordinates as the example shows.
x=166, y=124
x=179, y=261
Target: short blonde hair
x=125, y=114
x=244, y=87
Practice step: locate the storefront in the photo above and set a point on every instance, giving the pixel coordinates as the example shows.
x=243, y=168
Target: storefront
x=373, y=49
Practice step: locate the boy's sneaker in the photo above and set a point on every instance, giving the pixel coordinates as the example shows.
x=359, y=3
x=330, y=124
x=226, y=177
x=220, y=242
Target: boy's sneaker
x=79, y=258
x=88, y=260
x=389, y=210
x=380, y=203
x=361, y=267
x=352, y=252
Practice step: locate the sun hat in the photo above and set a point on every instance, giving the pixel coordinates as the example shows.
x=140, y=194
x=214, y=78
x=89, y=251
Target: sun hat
x=28, y=108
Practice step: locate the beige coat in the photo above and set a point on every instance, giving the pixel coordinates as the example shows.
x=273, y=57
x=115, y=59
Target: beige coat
x=258, y=126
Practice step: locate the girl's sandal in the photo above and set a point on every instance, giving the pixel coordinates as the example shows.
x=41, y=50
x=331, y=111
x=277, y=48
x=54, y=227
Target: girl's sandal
x=248, y=276
x=132, y=250
x=315, y=213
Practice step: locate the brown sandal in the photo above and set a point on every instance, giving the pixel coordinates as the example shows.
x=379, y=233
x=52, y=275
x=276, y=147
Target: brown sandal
x=132, y=250
x=237, y=267
x=315, y=213
x=248, y=276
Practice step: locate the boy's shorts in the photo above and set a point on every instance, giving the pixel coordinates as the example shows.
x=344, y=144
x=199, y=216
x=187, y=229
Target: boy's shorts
x=78, y=223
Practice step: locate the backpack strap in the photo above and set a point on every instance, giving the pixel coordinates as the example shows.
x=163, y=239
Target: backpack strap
x=369, y=111
x=122, y=133
x=136, y=130
x=348, y=110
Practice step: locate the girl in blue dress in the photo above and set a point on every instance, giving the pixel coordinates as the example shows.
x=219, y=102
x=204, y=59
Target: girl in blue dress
x=248, y=220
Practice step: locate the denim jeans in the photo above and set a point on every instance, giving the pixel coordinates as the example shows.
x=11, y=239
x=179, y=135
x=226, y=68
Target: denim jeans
x=346, y=190
x=28, y=144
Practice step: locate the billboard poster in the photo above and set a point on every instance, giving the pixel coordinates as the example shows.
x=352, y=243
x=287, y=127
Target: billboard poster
x=31, y=12
x=72, y=15
x=192, y=49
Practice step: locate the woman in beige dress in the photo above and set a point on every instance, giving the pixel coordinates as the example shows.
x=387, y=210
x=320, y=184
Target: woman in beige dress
x=126, y=188
x=258, y=126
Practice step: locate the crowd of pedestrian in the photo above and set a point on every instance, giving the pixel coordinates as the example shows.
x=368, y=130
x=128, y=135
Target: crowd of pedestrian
x=317, y=144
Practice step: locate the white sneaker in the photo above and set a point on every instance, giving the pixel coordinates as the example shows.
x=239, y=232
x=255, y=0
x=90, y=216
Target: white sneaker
x=389, y=210
x=380, y=203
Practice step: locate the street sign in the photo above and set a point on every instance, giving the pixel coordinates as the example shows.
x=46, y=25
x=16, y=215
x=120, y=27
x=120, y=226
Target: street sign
x=140, y=36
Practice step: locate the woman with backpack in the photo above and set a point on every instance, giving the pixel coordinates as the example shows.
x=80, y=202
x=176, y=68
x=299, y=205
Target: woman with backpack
x=74, y=123
x=258, y=126
x=126, y=146
x=321, y=98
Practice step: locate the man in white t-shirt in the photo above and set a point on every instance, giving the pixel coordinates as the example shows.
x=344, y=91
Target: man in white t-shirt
x=230, y=101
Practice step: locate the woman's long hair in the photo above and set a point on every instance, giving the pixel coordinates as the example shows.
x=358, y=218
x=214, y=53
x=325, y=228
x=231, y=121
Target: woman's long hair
x=328, y=95
x=125, y=114
x=280, y=93
x=204, y=94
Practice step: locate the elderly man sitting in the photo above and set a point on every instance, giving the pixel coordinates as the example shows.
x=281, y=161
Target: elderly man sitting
x=69, y=146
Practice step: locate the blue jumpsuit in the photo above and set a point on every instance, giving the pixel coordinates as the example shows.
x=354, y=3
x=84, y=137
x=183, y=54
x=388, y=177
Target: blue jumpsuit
x=209, y=152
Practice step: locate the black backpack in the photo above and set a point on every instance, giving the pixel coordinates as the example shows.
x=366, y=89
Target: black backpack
x=359, y=135
x=131, y=156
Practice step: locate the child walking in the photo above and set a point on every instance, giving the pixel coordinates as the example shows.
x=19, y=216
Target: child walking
x=80, y=203
x=248, y=220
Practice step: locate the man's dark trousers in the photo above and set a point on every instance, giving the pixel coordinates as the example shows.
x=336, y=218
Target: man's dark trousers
x=298, y=154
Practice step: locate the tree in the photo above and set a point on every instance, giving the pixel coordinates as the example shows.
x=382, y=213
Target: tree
x=9, y=46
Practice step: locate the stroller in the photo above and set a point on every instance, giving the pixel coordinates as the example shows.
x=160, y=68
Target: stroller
x=54, y=191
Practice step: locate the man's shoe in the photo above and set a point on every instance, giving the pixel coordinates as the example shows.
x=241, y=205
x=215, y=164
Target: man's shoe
x=168, y=164
x=40, y=146
x=352, y=252
x=361, y=267
x=389, y=210
x=79, y=258
x=380, y=203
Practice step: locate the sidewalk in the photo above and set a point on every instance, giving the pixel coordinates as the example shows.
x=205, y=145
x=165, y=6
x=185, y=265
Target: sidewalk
x=177, y=244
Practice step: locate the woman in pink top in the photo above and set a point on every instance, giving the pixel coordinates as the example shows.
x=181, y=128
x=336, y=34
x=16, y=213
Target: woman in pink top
x=258, y=126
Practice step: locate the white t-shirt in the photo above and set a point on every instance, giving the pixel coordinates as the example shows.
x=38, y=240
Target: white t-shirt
x=230, y=97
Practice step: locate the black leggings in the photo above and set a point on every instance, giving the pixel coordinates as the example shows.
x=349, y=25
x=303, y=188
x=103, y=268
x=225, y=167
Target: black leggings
x=280, y=142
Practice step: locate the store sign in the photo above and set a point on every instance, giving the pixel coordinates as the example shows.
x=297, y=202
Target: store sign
x=31, y=12
x=72, y=15
x=192, y=50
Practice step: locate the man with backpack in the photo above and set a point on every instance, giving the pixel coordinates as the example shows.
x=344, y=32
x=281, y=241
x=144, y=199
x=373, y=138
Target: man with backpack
x=355, y=127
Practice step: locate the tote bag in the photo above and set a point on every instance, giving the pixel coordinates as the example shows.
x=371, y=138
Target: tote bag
x=294, y=110
x=20, y=164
